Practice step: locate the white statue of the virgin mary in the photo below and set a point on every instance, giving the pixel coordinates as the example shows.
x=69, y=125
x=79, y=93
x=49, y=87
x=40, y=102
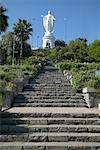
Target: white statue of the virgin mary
x=48, y=22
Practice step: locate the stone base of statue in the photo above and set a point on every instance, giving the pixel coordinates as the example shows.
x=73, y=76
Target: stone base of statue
x=48, y=40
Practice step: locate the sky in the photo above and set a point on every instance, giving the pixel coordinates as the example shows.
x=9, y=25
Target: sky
x=74, y=18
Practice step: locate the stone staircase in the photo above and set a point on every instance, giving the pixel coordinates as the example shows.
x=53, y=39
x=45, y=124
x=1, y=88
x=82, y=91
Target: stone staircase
x=48, y=115
x=50, y=90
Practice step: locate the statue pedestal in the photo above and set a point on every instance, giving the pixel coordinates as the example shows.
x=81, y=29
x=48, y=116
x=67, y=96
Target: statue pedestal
x=48, y=40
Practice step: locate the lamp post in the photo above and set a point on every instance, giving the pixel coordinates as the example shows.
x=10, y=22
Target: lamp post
x=13, y=55
x=33, y=31
x=21, y=50
x=37, y=40
x=65, y=24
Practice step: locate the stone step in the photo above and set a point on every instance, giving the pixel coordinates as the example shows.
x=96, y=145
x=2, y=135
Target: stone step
x=48, y=121
x=46, y=96
x=45, y=84
x=49, y=90
x=55, y=74
x=47, y=100
x=56, y=81
x=49, y=73
x=52, y=76
x=41, y=91
x=44, y=92
x=53, y=93
x=23, y=128
x=50, y=145
x=44, y=104
x=51, y=66
x=51, y=137
x=48, y=115
x=64, y=137
x=51, y=84
x=65, y=128
x=48, y=81
x=51, y=80
x=48, y=87
x=61, y=95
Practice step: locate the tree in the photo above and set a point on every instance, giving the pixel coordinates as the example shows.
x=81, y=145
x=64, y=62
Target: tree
x=3, y=27
x=94, y=51
x=77, y=44
x=11, y=47
x=7, y=40
x=22, y=29
x=59, y=43
x=2, y=53
x=3, y=19
x=6, y=45
x=26, y=50
x=79, y=47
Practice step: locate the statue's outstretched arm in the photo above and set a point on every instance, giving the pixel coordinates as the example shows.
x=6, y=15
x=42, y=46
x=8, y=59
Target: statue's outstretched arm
x=54, y=18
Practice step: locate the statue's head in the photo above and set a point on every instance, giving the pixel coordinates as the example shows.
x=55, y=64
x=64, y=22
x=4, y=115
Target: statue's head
x=49, y=12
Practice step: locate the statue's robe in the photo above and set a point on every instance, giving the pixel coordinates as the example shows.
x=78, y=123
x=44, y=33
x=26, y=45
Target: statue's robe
x=48, y=22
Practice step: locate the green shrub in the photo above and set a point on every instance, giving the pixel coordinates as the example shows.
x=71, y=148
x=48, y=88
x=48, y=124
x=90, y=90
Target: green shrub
x=84, y=79
x=2, y=76
x=78, y=80
x=97, y=78
x=10, y=84
x=2, y=83
x=80, y=66
x=9, y=76
x=6, y=69
x=53, y=53
x=90, y=83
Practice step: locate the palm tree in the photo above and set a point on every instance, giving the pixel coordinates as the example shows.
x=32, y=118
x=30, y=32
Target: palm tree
x=22, y=29
x=3, y=19
x=3, y=27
